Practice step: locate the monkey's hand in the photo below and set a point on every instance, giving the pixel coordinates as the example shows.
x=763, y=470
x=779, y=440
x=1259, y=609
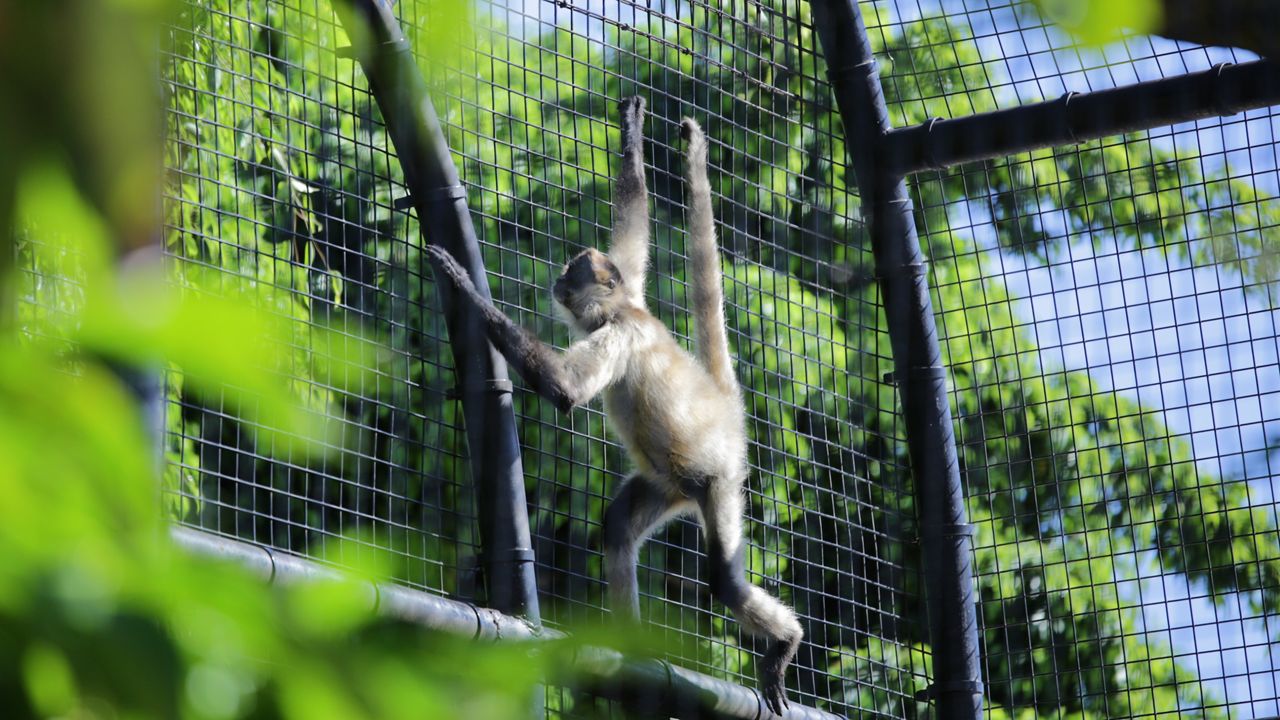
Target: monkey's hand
x=632, y=111
x=691, y=133
x=535, y=362
x=447, y=267
x=773, y=671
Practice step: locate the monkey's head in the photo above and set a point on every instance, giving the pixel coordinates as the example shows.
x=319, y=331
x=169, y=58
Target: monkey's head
x=589, y=290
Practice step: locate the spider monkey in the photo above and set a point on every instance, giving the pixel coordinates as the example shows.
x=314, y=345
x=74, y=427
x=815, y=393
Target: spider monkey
x=680, y=417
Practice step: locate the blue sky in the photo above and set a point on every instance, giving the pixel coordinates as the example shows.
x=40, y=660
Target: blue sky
x=1194, y=341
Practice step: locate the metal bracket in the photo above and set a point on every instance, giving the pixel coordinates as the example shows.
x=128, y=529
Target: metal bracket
x=1066, y=116
x=969, y=687
x=513, y=556
x=497, y=387
x=1219, y=101
x=448, y=193
x=932, y=372
x=929, y=142
x=841, y=70
x=951, y=530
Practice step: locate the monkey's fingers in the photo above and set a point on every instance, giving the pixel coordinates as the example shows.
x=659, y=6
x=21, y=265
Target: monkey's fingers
x=446, y=265
x=775, y=696
x=691, y=132
x=632, y=111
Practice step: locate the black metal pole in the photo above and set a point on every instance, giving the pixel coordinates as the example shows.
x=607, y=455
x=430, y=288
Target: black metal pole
x=440, y=200
x=1075, y=117
x=920, y=375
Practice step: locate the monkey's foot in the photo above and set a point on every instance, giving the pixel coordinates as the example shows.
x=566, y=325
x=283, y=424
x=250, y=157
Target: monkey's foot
x=773, y=671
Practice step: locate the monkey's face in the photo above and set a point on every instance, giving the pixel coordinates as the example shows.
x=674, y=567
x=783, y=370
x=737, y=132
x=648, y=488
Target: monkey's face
x=589, y=289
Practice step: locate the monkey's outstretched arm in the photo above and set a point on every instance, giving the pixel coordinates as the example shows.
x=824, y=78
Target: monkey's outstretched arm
x=706, y=292
x=629, y=246
x=567, y=379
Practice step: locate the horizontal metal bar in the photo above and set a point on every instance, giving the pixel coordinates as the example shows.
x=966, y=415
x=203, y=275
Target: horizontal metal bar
x=419, y=608
x=658, y=685
x=1075, y=117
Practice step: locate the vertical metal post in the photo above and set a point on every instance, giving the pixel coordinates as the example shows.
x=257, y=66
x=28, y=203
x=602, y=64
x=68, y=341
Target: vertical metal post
x=401, y=92
x=920, y=376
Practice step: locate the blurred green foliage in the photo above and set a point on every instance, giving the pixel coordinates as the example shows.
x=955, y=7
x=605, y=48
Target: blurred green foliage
x=100, y=617
x=278, y=189
x=1097, y=22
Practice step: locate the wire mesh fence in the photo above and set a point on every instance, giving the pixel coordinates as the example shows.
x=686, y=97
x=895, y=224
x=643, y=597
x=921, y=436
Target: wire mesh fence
x=826, y=493
x=282, y=174
x=306, y=181
x=1106, y=312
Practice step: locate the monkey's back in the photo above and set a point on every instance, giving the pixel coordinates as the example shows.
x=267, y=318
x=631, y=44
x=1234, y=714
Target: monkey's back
x=676, y=423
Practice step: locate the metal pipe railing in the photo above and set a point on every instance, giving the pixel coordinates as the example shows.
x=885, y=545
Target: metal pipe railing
x=1076, y=117
x=654, y=687
x=919, y=373
x=397, y=83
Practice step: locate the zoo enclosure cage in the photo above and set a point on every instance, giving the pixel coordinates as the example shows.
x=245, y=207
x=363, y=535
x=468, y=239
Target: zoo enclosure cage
x=1099, y=504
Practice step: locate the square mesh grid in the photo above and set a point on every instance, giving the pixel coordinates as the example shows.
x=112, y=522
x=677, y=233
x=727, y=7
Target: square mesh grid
x=282, y=174
x=530, y=109
x=1108, y=314
x=1106, y=310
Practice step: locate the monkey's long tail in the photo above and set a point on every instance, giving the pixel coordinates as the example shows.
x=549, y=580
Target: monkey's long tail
x=707, y=293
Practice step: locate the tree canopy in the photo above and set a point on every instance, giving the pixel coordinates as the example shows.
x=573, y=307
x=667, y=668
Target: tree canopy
x=279, y=173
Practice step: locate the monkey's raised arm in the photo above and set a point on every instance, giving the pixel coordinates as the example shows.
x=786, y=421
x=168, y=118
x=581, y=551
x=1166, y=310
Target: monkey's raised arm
x=629, y=245
x=706, y=284
x=567, y=379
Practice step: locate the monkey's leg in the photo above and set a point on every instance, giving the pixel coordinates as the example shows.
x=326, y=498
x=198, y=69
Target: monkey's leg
x=639, y=508
x=760, y=613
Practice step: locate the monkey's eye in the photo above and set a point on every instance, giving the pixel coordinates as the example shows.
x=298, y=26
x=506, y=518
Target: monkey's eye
x=613, y=282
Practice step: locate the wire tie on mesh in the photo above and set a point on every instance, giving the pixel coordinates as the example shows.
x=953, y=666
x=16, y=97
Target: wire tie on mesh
x=929, y=142
x=479, y=621
x=271, y=557
x=497, y=387
x=404, y=202
x=948, y=687
x=860, y=68
x=345, y=51
x=1220, y=104
x=1066, y=116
